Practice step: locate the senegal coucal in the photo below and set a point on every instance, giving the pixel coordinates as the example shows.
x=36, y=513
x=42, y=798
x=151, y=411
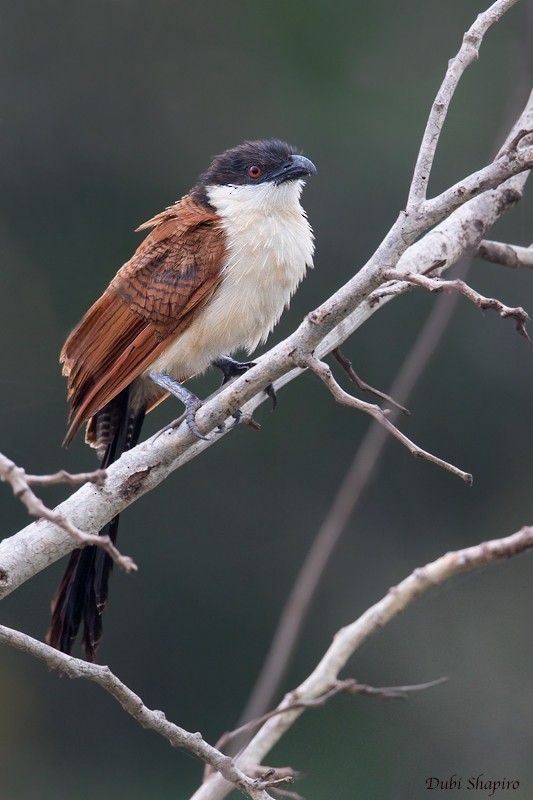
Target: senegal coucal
x=212, y=276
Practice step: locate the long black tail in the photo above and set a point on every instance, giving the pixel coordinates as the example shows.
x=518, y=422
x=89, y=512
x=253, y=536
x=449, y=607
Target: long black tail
x=81, y=596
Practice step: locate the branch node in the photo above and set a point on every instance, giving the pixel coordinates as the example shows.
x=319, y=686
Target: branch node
x=347, y=366
x=513, y=144
x=323, y=371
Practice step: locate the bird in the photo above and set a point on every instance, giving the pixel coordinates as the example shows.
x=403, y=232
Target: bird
x=212, y=276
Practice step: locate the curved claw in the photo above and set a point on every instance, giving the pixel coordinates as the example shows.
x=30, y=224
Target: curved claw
x=236, y=417
x=271, y=392
x=231, y=369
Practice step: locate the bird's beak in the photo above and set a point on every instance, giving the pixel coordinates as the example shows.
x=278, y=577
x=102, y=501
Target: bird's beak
x=296, y=167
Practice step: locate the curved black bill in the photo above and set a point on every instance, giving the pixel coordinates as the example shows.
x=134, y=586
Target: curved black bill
x=296, y=167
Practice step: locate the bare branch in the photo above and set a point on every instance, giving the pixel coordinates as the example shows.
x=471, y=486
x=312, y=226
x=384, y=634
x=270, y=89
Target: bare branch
x=324, y=373
x=508, y=255
x=150, y=719
x=511, y=163
x=467, y=54
x=19, y=478
x=347, y=366
x=97, y=477
x=20, y=483
x=349, y=685
x=347, y=641
x=438, y=285
x=512, y=145
x=348, y=495
x=322, y=683
x=285, y=793
x=389, y=692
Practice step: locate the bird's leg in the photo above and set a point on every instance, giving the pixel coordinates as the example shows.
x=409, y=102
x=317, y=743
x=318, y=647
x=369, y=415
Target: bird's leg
x=231, y=369
x=189, y=400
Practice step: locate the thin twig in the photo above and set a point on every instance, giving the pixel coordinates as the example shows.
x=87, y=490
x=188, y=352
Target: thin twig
x=508, y=255
x=323, y=371
x=347, y=366
x=439, y=285
x=20, y=483
x=97, y=477
x=349, y=685
x=467, y=54
x=262, y=771
x=388, y=692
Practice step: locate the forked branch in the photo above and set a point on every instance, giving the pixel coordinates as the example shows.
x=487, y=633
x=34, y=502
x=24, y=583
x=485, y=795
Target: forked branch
x=21, y=483
x=322, y=684
x=156, y=721
x=440, y=285
x=349, y=686
x=362, y=385
x=348, y=640
x=468, y=53
x=322, y=370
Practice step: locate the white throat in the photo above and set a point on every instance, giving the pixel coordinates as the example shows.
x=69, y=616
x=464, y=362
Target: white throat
x=268, y=236
x=262, y=198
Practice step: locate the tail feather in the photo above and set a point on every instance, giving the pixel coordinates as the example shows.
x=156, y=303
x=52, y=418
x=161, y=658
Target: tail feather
x=82, y=594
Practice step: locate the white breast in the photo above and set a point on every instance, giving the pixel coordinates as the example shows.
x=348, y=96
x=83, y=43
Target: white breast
x=270, y=247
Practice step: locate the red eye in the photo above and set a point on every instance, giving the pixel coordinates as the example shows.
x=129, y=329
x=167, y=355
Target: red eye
x=254, y=171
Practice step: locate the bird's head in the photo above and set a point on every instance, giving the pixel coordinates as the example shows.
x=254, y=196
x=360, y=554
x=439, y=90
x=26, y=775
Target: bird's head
x=266, y=164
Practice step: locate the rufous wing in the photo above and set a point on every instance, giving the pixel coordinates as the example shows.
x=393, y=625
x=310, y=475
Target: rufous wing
x=154, y=296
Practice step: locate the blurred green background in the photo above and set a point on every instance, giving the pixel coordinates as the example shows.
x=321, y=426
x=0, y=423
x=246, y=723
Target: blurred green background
x=108, y=112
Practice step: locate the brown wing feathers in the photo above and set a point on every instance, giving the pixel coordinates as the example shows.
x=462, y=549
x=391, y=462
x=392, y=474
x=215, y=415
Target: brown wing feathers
x=167, y=281
x=171, y=275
